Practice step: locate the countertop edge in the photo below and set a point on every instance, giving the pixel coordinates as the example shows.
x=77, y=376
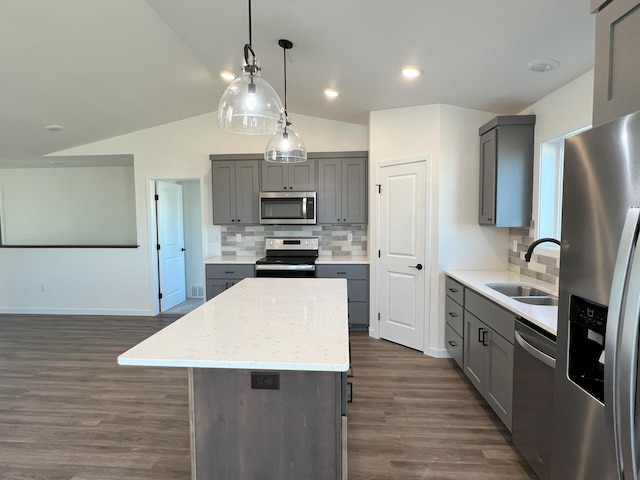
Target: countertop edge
x=545, y=317
x=234, y=365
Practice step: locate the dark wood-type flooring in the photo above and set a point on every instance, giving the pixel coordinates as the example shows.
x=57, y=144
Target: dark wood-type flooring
x=69, y=412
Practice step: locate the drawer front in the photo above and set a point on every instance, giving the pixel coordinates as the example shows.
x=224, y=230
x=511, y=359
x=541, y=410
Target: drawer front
x=230, y=270
x=455, y=290
x=453, y=342
x=343, y=271
x=499, y=319
x=454, y=315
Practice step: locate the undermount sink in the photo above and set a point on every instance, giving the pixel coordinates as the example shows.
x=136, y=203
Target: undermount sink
x=525, y=293
x=518, y=290
x=539, y=300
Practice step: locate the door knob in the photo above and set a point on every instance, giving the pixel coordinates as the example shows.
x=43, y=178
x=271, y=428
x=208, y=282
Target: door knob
x=182, y=249
x=417, y=267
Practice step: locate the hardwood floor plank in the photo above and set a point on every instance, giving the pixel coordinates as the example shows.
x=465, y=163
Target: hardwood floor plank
x=69, y=412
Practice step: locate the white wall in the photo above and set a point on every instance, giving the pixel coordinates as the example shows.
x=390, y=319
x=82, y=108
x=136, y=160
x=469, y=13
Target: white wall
x=116, y=281
x=564, y=111
x=72, y=206
x=448, y=136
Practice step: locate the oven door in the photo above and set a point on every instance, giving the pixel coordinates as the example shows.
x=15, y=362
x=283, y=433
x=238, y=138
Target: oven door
x=286, y=271
x=288, y=208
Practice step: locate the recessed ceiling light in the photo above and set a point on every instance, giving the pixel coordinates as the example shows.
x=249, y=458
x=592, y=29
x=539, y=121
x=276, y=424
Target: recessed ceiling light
x=54, y=128
x=331, y=93
x=543, y=65
x=227, y=76
x=411, y=71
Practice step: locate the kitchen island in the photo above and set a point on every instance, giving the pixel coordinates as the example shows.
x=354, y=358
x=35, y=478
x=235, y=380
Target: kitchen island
x=267, y=361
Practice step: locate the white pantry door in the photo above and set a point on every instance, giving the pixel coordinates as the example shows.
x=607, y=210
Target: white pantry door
x=171, y=241
x=403, y=218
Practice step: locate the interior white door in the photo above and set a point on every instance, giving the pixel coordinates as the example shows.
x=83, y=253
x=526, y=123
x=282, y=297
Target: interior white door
x=171, y=241
x=403, y=268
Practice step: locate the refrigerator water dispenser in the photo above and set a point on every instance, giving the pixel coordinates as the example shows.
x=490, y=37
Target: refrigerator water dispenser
x=587, y=326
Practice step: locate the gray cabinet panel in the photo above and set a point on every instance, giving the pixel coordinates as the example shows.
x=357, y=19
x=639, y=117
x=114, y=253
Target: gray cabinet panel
x=488, y=178
x=221, y=276
x=499, y=380
x=487, y=354
x=454, y=290
x=357, y=290
x=238, y=432
x=453, y=342
x=475, y=354
x=223, y=176
x=295, y=176
x=358, y=316
x=454, y=315
x=617, y=68
x=342, y=190
x=354, y=190
x=329, y=190
x=236, y=186
x=506, y=171
x=499, y=319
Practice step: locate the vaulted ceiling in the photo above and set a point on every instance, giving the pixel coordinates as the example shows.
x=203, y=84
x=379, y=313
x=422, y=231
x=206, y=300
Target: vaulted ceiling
x=102, y=68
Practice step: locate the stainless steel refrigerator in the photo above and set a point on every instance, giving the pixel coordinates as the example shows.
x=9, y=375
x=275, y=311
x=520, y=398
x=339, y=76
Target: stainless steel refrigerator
x=595, y=403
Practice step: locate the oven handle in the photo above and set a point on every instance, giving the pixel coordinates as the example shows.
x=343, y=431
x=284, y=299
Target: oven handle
x=297, y=268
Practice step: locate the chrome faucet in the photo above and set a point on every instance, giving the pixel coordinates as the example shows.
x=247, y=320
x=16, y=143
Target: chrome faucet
x=527, y=256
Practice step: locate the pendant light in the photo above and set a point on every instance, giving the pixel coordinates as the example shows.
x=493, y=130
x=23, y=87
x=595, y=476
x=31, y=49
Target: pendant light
x=285, y=146
x=250, y=105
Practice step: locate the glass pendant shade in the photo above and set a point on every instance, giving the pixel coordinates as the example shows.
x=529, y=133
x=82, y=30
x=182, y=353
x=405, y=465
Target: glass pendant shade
x=285, y=146
x=250, y=106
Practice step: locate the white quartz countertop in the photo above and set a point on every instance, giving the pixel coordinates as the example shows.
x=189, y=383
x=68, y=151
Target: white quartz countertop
x=259, y=323
x=543, y=316
x=322, y=259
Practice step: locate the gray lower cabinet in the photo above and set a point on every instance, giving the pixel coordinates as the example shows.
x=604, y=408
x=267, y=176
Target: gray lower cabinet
x=616, y=71
x=299, y=177
x=488, y=352
x=454, y=320
x=357, y=291
x=221, y=276
x=506, y=171
x=342, y=190
x=236, y=186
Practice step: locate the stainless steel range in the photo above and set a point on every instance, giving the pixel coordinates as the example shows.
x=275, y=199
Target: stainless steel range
x=288, y=257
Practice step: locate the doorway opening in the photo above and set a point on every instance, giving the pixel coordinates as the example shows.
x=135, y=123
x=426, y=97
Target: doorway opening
x=177, y=239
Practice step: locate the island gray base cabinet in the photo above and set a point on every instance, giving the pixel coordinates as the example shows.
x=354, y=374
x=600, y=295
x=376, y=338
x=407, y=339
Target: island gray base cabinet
x=294, y=432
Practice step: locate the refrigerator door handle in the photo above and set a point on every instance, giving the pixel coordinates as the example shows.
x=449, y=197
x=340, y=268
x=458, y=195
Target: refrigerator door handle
x=618, y=350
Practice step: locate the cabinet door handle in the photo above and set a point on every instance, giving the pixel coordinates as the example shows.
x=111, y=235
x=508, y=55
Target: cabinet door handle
x=484, y=338
x=452, y=343
x=341, y=273
x=453, y=314
x=480, y=330
x=344, y=219
x=453, y=290
x=227, y=271
x=238, y=220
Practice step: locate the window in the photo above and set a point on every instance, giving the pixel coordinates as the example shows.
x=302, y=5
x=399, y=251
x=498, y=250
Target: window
x=551, y=168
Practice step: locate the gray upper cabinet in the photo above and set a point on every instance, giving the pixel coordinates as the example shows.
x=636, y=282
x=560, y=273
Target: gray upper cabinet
x=617, y=71
x=342, y=190
x=292, y=176
x=236, y=186
x=506, y=171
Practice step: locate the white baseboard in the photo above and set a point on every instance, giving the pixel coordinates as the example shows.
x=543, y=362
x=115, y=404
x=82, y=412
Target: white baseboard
x=77, y=311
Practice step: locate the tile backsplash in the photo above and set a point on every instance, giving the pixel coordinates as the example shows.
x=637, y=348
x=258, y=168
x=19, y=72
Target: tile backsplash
x=542, y=267
x=334, y=239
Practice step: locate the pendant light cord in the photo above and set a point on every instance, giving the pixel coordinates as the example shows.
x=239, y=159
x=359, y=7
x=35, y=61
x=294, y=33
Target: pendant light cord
x=248, y=48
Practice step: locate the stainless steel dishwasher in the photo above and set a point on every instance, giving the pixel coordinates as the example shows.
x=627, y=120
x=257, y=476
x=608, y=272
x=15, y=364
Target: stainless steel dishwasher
x=533, y=371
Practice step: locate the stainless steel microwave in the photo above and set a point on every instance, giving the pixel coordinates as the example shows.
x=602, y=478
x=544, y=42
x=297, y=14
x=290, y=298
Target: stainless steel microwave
x=288, y=208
